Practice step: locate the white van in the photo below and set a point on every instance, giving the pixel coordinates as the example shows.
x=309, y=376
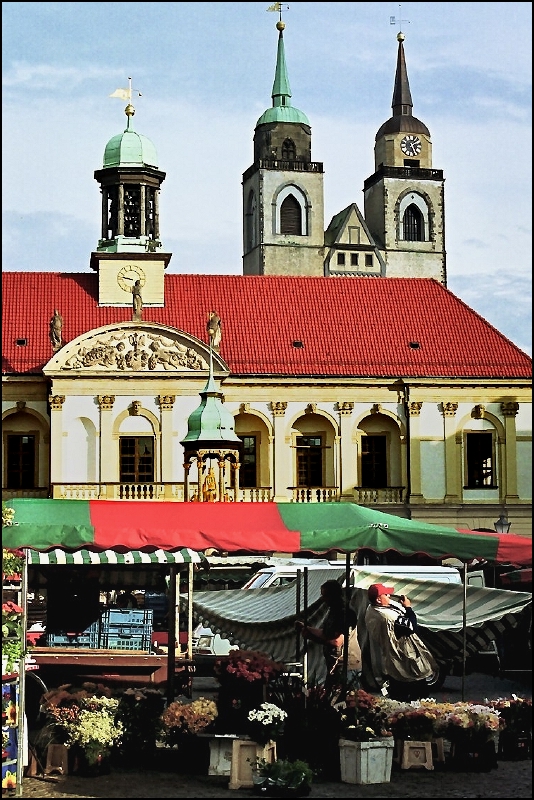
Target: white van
x=206, y=643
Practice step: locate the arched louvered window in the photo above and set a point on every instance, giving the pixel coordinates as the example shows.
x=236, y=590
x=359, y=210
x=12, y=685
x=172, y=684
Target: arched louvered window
x=413, y=225
x=291, y=216
x=289, y=151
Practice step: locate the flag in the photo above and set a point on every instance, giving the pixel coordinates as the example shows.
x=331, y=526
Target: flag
x=274, y=7
x=124, y=94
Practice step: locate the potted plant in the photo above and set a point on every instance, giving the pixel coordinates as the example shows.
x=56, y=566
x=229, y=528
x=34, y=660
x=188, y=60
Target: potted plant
x=140, y=711
x=365, y=740
x=471, y=728
x=12, y=644
x=266, y=723
x=515, y=727
x=243, y=677
x=85, y=720
x=182, y=721
x=282, y=778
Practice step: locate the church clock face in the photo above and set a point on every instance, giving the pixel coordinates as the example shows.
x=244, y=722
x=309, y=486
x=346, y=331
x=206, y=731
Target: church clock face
x=128, y=275
x=411, y=145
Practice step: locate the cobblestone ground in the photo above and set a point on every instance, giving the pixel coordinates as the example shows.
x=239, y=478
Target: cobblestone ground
x=511, y=779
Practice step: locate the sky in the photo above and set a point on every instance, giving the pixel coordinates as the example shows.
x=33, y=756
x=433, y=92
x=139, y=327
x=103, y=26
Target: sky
x=205, y=73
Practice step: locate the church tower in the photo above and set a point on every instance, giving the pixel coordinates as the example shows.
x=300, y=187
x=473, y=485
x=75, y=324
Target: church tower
x=128, y=256
x=404, y=198
x=283, y=201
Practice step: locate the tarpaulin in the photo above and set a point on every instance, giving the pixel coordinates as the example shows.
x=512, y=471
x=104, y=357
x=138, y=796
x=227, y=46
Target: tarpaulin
x=251, y=527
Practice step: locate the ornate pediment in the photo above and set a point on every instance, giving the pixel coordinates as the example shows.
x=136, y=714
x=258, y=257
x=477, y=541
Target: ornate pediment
x=129, y=347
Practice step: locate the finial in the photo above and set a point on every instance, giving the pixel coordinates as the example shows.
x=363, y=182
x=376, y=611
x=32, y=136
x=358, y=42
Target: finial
x=394, y=20
x=279, y=7
x=126, y=94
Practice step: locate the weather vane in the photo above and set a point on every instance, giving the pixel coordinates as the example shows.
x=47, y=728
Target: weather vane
x=126, y=94
x=394, y=20
x=279, y=7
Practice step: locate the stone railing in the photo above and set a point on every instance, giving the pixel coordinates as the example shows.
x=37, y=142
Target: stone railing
x=372, y=497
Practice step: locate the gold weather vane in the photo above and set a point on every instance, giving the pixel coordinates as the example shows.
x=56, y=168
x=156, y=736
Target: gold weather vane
x=279, y=7
x=394, y=20
x=126, y=94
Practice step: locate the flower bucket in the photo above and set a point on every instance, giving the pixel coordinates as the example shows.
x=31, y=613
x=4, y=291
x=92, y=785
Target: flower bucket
x=366, y=762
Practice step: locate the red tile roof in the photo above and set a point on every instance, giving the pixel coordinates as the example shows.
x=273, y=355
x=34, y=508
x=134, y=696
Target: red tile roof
x=347, y=326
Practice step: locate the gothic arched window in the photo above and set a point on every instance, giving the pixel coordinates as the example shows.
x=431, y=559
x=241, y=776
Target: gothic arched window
x=291, y=216
x=289, y=151
x=413, y=224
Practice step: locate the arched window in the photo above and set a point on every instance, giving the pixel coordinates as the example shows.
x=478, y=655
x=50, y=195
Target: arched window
x=250, y=223
x=289, y=151
x=291, y=216
x=413, y=224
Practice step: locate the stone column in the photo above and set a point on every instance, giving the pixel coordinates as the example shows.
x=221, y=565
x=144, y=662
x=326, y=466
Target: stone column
x=281, y=467
x=109, y=472
x=347, y=473
x=56, y=442
x=166, y=404
x=414, y=443
x=509, y=463
x=451, y=462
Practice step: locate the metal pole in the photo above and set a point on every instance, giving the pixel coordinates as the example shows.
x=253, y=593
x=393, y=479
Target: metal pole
x=171, y=655
x=305, y=603
x=464, y=631
x=345, y=664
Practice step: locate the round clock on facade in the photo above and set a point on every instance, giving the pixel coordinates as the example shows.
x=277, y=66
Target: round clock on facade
x=411, y=145
x=128, y=275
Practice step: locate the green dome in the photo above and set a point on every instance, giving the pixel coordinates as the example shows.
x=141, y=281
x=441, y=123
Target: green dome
x=130, y=148
x=283, y=114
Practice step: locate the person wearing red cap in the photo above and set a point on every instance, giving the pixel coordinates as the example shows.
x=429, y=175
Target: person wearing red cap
x=401, y=664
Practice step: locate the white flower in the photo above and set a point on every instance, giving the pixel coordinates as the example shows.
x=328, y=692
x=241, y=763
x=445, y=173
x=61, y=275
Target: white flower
x=267, y=714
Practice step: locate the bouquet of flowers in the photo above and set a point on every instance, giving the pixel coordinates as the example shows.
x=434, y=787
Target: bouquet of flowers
x=515, y=714
x=420, y=720
x=187, y=718
x=91, y=724
x=247, y=665
x=471, y=723
x=266, y=722
x=361, y=717
x=12, y=561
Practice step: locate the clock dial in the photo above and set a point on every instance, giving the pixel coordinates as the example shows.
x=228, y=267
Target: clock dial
x=128, y=275
x=411, y=145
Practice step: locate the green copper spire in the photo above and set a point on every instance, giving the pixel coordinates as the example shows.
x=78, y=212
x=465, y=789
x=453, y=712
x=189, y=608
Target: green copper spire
x=211, y=424
x=282, y=110
x=130, y=148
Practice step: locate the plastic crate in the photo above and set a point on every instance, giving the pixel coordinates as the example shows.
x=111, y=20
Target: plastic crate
x=127, y=616
x=87, y=638
x=113, y=641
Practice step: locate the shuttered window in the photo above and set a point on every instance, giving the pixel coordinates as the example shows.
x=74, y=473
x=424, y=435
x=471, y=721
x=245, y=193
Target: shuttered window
x=291, y=216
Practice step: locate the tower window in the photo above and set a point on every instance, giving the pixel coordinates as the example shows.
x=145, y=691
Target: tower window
x=291, y=216
x=341, y=259
x=413, y=224
x=354, y=259
x=132, y=208
x=368, y=260
x=289, y=151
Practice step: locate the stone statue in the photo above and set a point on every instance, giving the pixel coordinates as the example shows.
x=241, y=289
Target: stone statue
x=137, y=300
x=56, y=326
x=209, y=487
x=214, y=329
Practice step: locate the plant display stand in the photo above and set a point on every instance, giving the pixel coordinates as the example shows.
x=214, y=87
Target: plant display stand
x=220, y=752
x=411, y=753
x=244, y=752
x=366, y=762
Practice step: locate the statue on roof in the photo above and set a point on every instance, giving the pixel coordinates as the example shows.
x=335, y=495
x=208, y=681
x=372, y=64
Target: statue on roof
x=214, y=329
x=56, y=326
x=137, y=301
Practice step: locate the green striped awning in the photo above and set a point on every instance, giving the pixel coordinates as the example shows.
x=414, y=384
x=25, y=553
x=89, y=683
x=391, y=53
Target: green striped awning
x=132, y=557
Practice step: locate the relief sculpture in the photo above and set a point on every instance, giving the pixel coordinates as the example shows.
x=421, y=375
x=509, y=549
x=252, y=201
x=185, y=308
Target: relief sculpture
x=133, y=352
